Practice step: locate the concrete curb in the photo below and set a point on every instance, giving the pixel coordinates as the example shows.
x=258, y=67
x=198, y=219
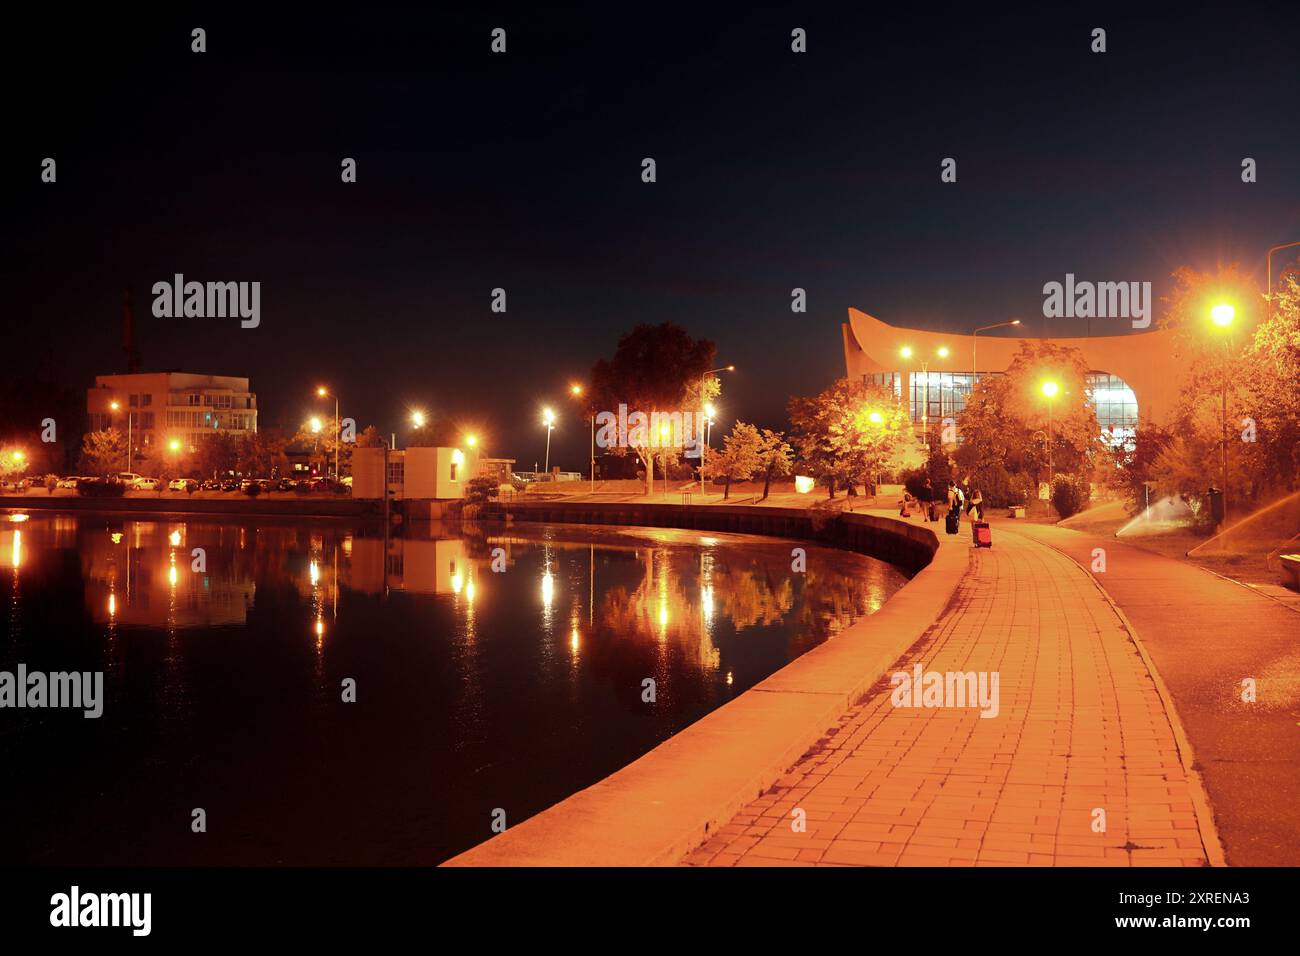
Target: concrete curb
x=1209, y=833
x=666, y=803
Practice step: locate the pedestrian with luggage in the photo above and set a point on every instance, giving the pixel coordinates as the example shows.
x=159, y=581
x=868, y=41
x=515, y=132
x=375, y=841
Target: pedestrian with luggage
x=977, y=505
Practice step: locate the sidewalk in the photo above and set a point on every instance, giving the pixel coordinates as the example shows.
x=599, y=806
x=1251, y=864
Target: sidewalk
x=1205, y=634
x=1081, y=728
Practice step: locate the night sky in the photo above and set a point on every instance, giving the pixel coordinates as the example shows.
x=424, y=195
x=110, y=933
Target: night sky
x=522, y=171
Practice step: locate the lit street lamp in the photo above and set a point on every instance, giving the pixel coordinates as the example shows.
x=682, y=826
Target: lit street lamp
x=704, y=452
x=1050, y=389
x=548, y=419
x=324, y=392
x=941, y=352
x=115, y=405
x=576, y=391
x=1222, y=316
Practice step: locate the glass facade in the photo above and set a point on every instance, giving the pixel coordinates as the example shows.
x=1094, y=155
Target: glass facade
x=1117, y=408
x=946, y=393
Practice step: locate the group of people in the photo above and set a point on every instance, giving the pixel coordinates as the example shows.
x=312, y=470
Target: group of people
x=961, y=500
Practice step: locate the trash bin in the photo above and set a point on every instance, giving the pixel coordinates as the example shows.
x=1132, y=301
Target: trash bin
x=1216, y=504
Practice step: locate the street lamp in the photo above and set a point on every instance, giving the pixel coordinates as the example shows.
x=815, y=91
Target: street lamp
x=974, y=371
x=1222, y=316
x=704, y=451
x=324, y=392
x=942, y=352
x=576, y=391
x=1050, y=388
x=548, y=419
x=417, y=419
x=115, y=405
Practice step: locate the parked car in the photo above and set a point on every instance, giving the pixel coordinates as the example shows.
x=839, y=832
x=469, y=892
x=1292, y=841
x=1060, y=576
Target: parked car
x=182, y=484
x=148, y=484
x=68, y=482
x=210, y=484
x=128, y=478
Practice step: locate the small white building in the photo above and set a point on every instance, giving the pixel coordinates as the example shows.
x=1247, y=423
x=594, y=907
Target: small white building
x=419, y=474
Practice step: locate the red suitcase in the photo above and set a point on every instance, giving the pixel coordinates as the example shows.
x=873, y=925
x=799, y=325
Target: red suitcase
x=982, y=534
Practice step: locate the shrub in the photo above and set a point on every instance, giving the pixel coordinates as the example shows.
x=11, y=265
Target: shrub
x=1069, y=495
x=253, y=490
x=481, y=489
x=101, y=488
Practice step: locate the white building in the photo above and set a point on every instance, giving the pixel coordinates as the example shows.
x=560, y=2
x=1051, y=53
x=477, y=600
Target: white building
x=162, y=407
x=419, y=474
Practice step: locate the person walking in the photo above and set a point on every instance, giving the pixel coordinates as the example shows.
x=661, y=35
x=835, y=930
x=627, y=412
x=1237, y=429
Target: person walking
x=927, y=500
x=977, y=505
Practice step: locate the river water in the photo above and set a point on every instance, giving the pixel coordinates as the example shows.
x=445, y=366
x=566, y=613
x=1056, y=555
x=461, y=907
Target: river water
x=495, y=670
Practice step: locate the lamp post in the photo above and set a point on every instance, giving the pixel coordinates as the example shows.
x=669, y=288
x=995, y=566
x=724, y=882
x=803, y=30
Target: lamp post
x=941, y=352
x=1050, y=389
x=1222, y=316
x=548, y=419
x=974, y=369
x=115, y=405
x=576, y=391
x=324, y=392
x=704, y=451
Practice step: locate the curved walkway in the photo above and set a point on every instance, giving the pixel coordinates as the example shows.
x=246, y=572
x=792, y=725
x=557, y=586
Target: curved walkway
x=1081, y=736
x=1205, y=635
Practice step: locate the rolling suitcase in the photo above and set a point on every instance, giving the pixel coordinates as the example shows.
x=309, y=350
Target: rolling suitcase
x=952, y=521
x=981, y=533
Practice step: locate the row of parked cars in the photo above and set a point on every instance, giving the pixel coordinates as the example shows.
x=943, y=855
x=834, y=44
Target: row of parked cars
x=134, y=482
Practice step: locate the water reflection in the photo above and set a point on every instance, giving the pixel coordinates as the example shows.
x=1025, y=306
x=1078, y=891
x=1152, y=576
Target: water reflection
x=488, y=660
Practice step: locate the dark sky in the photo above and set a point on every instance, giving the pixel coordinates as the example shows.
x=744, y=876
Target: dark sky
x=522, y=171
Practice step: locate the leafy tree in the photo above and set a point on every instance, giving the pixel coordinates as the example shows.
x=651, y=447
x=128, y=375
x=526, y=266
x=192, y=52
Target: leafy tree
x=216, y=454
x=482, y=489
x=654, y=369
x=1270, y=374
x=1009, y=420
x=849, y=432
x=775, y=458
x=102, y=452
x=738, y=459
x=371, y=438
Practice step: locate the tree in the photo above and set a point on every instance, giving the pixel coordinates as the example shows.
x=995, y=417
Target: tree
x=371, y=438
x=217, y=454
x=738, y=459
x=775, y=458
x=102, y=452
x=849, y=432
x=1008, y=420
x=1270, y=427
x=654, y=369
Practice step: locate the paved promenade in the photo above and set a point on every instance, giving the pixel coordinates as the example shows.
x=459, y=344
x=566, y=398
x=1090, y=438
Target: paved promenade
x=1205, y=634
x=1081, y=730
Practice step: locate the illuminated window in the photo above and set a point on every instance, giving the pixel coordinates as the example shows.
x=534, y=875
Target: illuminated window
x=1116, y=407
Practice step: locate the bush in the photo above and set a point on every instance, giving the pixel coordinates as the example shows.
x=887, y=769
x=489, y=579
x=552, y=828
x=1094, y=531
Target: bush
x=1001, y=488
x=481, y=489
x=101, y=488
x=253, y=490
x=1069, y=495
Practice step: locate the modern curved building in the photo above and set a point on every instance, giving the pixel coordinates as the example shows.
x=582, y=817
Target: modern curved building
x=1129, y=373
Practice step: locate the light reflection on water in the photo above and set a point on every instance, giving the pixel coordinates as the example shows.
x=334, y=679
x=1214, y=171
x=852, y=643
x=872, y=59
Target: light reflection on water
x=495, y=667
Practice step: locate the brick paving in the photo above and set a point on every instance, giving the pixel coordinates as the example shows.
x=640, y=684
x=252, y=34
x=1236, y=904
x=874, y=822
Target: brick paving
x=1080, y=727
